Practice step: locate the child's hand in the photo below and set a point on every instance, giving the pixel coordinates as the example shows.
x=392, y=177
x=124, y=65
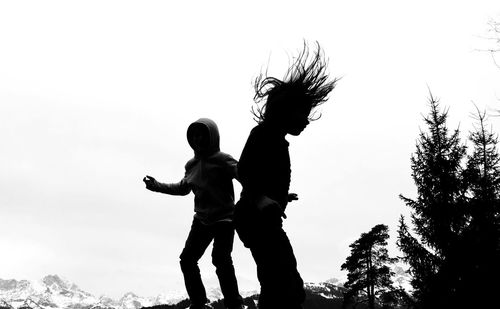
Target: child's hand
x=270, y=206
x=292, y=197
x=151, y=183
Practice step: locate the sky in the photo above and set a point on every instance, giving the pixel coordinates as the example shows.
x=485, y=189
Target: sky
x=94, y=95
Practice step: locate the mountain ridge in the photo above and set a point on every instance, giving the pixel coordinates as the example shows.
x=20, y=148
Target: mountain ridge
x=54, y=292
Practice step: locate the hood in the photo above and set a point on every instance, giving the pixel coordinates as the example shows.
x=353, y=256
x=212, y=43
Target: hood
x=213, y=135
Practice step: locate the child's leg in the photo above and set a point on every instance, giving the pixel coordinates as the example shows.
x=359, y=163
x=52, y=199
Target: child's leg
x=280, y=282
x=197, y=242
x=221, y=258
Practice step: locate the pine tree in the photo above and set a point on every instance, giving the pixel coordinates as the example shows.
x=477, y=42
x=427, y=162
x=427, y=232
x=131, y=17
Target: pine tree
x=369, y=275
x=481, y=251
x=437, y=213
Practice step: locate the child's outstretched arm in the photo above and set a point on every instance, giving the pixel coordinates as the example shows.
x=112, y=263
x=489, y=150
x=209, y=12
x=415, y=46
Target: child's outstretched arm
x=179, y=188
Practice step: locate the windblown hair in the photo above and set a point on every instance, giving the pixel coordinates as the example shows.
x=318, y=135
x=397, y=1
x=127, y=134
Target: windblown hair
x=306, y=82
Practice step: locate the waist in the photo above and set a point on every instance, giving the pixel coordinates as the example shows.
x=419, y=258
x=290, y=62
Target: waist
x=249, y=198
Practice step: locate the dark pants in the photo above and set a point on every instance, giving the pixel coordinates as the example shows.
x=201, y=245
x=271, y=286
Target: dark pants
x=200, y=236
x=280, y=283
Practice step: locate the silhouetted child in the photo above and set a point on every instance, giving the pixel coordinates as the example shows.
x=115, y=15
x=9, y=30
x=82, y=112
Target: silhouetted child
x=209, y=175
x=264, y=172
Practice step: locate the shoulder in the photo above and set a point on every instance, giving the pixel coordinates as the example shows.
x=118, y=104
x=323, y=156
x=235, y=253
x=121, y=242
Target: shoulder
x=191, y=163
x=222, y=157
x=257, y=130
x=264, y=136
x=256, y=134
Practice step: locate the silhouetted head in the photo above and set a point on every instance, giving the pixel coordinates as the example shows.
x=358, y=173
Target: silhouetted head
x=203, y=137
x=290, y=103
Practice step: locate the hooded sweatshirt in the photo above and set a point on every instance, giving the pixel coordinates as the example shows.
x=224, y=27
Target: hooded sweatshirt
x=209, y=176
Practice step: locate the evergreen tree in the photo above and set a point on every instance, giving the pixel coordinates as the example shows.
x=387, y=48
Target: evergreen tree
x=481, y=251
x=369, y=276
x=438, y=212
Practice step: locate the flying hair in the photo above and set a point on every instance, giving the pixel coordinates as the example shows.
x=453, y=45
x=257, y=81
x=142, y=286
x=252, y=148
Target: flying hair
x=306, y=83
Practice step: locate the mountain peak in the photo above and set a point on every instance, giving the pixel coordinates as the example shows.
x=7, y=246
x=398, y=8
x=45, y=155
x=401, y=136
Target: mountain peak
x=55, y=280
x=129, y=295
x=334, y=281
x=12, y=284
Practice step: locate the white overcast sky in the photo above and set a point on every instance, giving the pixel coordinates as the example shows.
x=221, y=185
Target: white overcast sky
x=96, y=94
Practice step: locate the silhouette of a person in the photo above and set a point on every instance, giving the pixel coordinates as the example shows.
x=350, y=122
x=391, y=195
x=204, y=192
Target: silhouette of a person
x=209, y=175
x=264, y=172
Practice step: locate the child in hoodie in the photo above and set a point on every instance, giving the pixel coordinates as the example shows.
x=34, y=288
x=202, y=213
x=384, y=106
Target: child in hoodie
x=209, y=175
x=264, y=172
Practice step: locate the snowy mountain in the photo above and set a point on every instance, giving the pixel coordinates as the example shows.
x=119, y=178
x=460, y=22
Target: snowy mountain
x=324, y=295
x=328, y=289
x=402, y=276
x=50, y=292
x=55, y=292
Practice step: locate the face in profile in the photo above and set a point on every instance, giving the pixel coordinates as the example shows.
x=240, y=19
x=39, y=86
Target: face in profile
x=297, y=119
